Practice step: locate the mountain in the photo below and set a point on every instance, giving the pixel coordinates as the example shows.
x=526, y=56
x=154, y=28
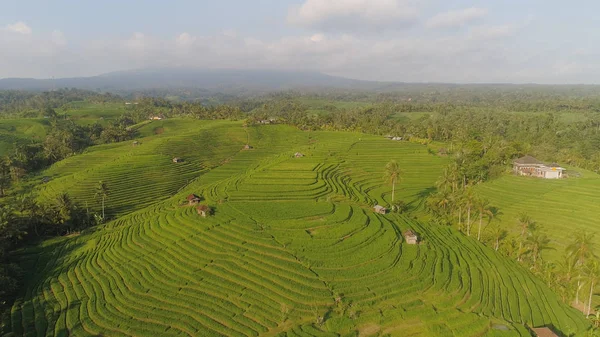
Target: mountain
x=222, y=80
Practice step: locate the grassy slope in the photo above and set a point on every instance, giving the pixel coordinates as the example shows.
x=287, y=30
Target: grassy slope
x=19, y=131
x=288, y=237
x=561, y=207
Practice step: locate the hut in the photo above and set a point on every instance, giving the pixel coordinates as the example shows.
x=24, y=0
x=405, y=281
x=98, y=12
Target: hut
x=544, y=332
x=177, y=160
x=135, y=143
x=411, y=237
x=193, y=199
x=248, y=147
x=298, y=155
x=380, y=209
x=203, y=210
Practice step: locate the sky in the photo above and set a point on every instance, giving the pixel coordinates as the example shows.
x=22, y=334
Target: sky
x=459, y=41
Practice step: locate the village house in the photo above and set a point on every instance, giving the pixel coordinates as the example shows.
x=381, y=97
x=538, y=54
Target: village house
x=298, y=155
x=380, y=209
x=193, y=199
x=177, y=160
x=543, y=332
x=411, y=237
x=529, y=166
x=203, y=210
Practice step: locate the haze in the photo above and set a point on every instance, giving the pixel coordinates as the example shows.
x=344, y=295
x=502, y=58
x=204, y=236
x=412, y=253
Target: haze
x=384, y=40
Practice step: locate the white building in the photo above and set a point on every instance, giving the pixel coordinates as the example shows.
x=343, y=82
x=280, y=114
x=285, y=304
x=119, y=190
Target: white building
x=529, y=166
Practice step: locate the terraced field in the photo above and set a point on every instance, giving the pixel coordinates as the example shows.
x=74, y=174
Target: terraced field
x=293, y=248
x=20, y=131
x=559, y=206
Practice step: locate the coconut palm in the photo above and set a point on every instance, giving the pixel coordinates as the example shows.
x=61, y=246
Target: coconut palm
x=498, y=234
x=102, y=192
x=393, y=173
x=581, y=249
x=525, y=224
x=591, y=274
x=484, y=209
x=469, y=202
x=537, y=242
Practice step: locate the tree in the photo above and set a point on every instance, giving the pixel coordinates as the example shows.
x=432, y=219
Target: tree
x=5, y=178
x=498, y=234
x=392, y=174
x=102, y=192
x=581, y=249
x=537, y=242
x=484, y=209
x=525, y=224
x=469, y=200
x=591, y=273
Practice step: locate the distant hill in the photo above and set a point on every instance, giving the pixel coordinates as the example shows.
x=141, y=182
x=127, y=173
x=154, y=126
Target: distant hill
x=223, y=80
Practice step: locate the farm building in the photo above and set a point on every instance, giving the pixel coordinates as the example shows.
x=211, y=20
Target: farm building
x=411, y=237
x=203, y=210
x=544, y=332
x=529, y=166
x=380, y=209
x=177, y=160
x=135, y=143
x=193, y=199
x=298, y=155
x=247, y=147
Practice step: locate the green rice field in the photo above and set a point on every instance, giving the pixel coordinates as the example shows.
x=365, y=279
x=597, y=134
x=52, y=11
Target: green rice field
x=293, y=248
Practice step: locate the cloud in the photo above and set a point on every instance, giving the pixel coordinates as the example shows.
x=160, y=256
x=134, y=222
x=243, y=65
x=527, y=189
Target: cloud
x=353, y=15
x=493, y=32
x=456, y=18
x=58, y=38
x=185, y=39
x=19, y=27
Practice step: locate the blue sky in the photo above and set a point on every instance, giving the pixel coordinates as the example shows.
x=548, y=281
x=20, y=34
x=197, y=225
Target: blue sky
x=389, y=40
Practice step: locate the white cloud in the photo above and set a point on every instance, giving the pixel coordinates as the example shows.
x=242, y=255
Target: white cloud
x=456, y=18
x=493, y=32
x=353, y=15
x=185, y=39
x=19, y=27
x=58, y=38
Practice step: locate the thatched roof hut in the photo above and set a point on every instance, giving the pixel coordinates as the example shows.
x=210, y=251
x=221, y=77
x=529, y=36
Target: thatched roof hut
x=203, y=210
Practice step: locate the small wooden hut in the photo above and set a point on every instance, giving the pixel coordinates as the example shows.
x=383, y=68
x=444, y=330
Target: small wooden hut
x=135, y=143
x=247, y=147
x=411, y=237
x=193, y=199
x=380, y=209
x=177, y=160
x=203, y=210
x=298, y=155
x=544, y=332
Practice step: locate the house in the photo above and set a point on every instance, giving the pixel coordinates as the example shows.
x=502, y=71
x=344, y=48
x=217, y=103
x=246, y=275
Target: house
x=193, y=199
x=396, y=138
x=529, y=166
x=298, y=155
x=543, y=332
x=248, y=147
x=135, y=143
x=177, y=160
x=411, y=237
x=203, y=210
x=380, y=209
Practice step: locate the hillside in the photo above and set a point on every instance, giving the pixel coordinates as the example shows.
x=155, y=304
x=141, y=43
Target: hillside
x=293, y=249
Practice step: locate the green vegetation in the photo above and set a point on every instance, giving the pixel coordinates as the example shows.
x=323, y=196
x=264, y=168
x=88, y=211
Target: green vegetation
x=293, y=248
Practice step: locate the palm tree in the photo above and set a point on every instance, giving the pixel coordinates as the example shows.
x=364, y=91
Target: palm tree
x=392, y=174
x=581, y=249
x=525, y=224
x=537, y=242
x=484, y=209
x=591, y=273
x=498, y=234
x=102, y=193
x=469, y=200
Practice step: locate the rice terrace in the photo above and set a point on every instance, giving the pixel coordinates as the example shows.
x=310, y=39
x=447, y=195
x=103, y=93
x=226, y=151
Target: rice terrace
x=293, y=247
x=299, y=168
